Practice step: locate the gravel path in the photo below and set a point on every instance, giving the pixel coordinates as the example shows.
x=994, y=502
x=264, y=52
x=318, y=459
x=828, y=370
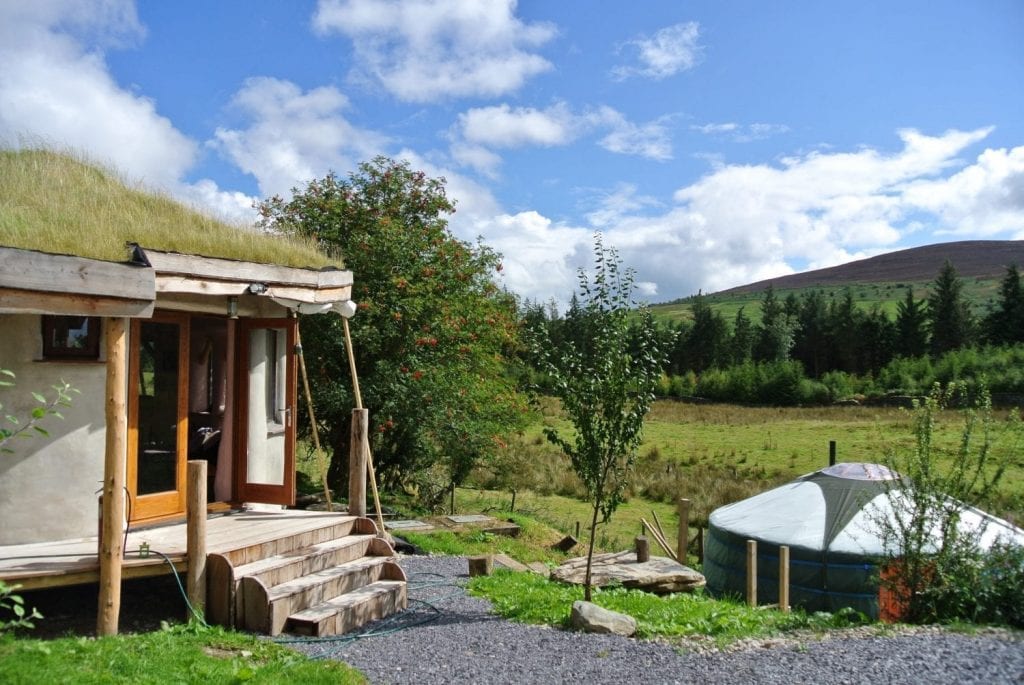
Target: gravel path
x=465, y=642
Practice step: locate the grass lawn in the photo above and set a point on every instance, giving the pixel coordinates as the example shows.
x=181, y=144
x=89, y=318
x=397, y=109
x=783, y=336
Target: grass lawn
x=180, y=654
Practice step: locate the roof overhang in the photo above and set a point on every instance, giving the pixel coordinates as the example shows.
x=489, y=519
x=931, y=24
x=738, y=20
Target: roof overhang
x=34, y=282
x=41, y=283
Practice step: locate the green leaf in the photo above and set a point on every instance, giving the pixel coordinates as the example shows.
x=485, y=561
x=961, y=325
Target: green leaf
x=39, y=398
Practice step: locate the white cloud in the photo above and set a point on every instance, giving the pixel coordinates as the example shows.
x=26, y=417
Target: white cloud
x=426, y=50
x=56, y=90
x=670, y=50
x=479, y=131
x=293, y=136
x=741, y=133
x=504, y=127
x=982, y=200
x=650, y=140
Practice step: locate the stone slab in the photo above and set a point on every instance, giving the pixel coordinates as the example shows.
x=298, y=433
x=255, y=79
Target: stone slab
x=469, y=518
x=408, y=524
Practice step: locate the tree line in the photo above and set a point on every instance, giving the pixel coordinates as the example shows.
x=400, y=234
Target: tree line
x=814, y=348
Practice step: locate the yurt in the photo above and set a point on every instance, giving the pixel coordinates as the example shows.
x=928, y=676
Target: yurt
x=830, y=519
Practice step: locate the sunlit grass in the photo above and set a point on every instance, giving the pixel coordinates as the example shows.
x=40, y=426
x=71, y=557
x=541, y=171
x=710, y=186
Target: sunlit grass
x=182, y=654
x=62, y=204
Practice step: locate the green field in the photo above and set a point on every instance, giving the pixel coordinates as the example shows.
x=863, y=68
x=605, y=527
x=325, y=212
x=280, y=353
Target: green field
x=714, y=454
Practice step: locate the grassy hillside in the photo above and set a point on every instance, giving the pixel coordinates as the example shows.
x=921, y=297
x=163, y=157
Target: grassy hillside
x=57, y=203
x=880, y=281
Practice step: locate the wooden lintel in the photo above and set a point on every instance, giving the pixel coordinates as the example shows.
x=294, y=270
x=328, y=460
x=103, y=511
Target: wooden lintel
x=39, y=271
x=199, y=286
x=18, y=301
x=168, y=263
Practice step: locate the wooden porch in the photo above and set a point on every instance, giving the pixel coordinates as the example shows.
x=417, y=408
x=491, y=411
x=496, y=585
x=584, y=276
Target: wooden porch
x=73, y=562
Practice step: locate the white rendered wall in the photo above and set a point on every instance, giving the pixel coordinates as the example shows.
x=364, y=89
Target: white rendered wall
x=48, y=487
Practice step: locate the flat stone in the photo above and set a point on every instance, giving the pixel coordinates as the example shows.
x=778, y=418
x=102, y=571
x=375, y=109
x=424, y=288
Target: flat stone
x=591, y=618
x=659, y=575
x=469, y=518
x=408, y=524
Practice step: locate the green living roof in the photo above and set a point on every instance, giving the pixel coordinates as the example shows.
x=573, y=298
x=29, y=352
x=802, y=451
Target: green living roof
x=54, y=202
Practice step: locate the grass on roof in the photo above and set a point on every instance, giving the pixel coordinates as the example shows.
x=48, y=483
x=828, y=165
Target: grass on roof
x=58, y=203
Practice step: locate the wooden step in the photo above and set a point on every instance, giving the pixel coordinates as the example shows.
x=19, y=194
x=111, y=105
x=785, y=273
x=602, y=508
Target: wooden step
x=270, y=543
x=301, y=562
x=267, y=608
x=350, y=611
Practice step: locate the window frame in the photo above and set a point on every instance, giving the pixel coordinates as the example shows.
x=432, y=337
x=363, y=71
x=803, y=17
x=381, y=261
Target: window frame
x=50, y=327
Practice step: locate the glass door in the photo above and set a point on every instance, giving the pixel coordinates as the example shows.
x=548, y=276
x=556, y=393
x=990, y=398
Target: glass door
x=158, y=416
x=266, y=432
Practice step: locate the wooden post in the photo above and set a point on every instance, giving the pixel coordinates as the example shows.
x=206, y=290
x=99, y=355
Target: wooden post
x=195, y=533
x=831, y=452
x=752, y=573
x=643, y=549
x=114, y=464
x=784, y=578
x=682, y=538
x=481, y=566
x=700, y=544
x=357, y=462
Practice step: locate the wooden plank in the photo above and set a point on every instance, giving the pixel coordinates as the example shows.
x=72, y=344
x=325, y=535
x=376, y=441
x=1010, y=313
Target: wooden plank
x=314, y=296
x=17, y=301
x=31, y=270
x=111, y=544
x=232, y=270
x=199, y=286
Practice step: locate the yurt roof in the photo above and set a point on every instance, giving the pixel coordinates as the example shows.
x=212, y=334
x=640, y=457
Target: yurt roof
x=838, y=509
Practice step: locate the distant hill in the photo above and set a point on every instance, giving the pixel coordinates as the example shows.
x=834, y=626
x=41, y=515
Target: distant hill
x=877, y=281
x=972, y=259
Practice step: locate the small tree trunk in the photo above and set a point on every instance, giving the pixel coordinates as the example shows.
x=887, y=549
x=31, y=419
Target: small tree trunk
x=587, y=594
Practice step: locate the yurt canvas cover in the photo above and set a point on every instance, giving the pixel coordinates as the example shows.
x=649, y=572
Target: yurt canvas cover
x=829, y=520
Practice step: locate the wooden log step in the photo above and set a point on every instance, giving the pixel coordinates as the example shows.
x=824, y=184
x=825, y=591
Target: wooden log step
x=345, y=613
x=281, y=568
x=268, y=607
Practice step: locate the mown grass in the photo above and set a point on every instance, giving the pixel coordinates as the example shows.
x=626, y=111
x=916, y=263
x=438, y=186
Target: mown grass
x=529, y=598
x=63, y=204
x=181, y=654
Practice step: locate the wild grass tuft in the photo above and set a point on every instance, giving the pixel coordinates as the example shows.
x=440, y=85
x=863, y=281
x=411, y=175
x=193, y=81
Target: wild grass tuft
x=61, y=203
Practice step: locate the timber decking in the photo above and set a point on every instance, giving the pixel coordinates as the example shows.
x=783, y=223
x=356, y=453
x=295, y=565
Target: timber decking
x=72, y=562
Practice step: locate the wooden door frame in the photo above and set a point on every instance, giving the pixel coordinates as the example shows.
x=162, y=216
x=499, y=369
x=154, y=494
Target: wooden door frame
x=256, y=492
x=171, y=503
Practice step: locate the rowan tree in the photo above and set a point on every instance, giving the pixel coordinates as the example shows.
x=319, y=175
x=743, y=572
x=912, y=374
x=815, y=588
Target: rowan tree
x=431, y=333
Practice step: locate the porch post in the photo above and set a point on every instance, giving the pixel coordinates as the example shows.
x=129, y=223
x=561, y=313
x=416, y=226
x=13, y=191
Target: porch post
x=112, y=530
x=358, y=447
x=195, y=534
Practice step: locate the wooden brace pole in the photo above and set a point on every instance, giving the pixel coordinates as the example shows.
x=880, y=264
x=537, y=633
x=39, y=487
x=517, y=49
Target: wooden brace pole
x=752, y=573
x=321, y=461
x=359, y=405
x=115, y=456
x=784, y=578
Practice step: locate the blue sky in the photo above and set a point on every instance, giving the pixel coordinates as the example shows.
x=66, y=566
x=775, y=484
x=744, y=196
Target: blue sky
x=713, y=143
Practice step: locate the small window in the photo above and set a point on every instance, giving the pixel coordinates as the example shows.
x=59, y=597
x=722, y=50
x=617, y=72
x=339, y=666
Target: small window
x=71, y=337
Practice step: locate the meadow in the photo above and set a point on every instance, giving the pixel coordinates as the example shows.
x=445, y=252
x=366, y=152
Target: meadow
x=714, y=454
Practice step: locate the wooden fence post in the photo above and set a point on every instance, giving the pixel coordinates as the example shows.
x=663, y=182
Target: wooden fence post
x=752, y=573
x=195, y=534
x=784, y=578
x=359, y=445
x=682, y=538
